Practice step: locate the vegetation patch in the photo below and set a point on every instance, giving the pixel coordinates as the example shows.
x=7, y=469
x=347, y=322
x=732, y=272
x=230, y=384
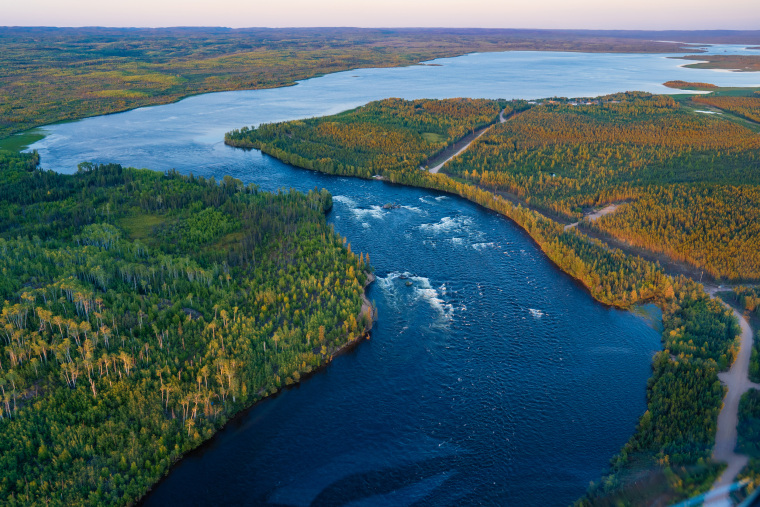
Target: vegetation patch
x=120, y=94
x=21, y=141
x=674, y=439
x=689, y=85
x=143, y=310
x=432, y=137
x=142, y=226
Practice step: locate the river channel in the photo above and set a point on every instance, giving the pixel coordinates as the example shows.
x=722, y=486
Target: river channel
x=490, y=376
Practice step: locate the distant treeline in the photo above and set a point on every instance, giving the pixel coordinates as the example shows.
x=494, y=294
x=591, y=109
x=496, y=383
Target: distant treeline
x=54, y=74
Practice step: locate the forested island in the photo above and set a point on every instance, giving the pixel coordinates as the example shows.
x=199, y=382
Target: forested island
x=542, y=168
x=141, y=311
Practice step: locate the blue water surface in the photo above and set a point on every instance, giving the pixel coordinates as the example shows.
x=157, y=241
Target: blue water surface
x=491, y=378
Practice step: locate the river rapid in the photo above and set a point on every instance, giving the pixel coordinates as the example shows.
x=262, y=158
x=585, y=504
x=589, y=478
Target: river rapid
x=490, y=376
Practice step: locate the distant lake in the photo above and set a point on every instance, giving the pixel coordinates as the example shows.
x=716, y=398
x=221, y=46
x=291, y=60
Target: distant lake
x=189, y=134
x=490, y=377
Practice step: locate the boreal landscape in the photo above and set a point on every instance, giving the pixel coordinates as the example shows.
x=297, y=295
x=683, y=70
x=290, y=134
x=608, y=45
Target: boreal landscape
x=144, y=311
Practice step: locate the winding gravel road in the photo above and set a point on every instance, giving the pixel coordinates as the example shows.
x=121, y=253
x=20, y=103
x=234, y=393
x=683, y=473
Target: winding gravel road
x=737, y=381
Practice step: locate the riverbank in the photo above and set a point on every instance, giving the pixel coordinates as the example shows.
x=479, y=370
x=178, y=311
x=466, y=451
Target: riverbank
x=620, y=280
x=366, y=315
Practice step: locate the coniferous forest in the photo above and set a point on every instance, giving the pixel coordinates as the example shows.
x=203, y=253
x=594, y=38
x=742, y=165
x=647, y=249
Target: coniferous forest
x=142, y=310
x=555, y=158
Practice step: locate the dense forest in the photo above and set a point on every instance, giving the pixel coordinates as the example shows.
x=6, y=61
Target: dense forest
x=142, y=310
x=673, y=442
x=748, y=298
x=749, y=424
x=689, y=181
x=386, y=135
x=677, y=168
x=746, y=107
x=748, y=431
x=53, y=74
x=713, y=227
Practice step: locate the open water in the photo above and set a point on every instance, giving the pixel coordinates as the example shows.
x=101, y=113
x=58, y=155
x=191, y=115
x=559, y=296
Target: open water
x=491, y=378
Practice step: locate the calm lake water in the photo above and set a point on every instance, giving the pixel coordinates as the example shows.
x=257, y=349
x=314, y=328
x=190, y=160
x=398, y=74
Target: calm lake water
x=490, y=377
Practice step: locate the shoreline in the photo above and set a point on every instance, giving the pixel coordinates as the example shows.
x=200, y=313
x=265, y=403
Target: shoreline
x=490, y=203
x=346, y=348
x=166, y=100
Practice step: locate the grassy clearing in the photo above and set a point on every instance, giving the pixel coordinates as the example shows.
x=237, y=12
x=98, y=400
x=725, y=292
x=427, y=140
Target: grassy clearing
x=21, y=141
x=432, y=137
x=141, y=227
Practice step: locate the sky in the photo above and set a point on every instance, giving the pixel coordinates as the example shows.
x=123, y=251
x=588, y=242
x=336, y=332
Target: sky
x=591, y=14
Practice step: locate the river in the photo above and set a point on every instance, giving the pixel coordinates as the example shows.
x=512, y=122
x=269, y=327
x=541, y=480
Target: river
x=490, y=376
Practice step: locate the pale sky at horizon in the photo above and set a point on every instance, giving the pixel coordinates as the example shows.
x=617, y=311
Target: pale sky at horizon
x=589, y=14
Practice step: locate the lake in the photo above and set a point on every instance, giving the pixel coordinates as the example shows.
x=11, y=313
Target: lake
x=490, y=376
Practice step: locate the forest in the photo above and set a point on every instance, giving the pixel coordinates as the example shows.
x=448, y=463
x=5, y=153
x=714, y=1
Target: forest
x=746, y=107
x=748, y=431
x=689, y=85
x=390, y=134
x=54, y=74
x=674, y=438
x=141, y=311
x=688, y=181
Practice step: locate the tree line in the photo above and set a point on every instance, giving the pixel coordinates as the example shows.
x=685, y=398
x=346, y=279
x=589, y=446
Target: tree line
x=143, y=310
x=675, y=436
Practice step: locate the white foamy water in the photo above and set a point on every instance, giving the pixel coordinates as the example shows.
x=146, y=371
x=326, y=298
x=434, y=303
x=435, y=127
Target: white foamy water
x=433, y=297
x=361, y=213
x=447, y=224
x=374, y=211
x=482, y=246
x=536, y=313
x=420, y=290
x=345, y=200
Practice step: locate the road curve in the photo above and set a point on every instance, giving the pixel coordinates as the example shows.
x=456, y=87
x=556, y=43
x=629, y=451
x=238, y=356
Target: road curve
x=737, y=381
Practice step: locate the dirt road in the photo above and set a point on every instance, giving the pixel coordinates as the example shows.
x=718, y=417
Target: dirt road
x=737, y=381
x=596, y=215
x=464, y=148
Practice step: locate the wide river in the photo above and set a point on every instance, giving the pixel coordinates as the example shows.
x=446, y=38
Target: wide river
x=490, y=376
